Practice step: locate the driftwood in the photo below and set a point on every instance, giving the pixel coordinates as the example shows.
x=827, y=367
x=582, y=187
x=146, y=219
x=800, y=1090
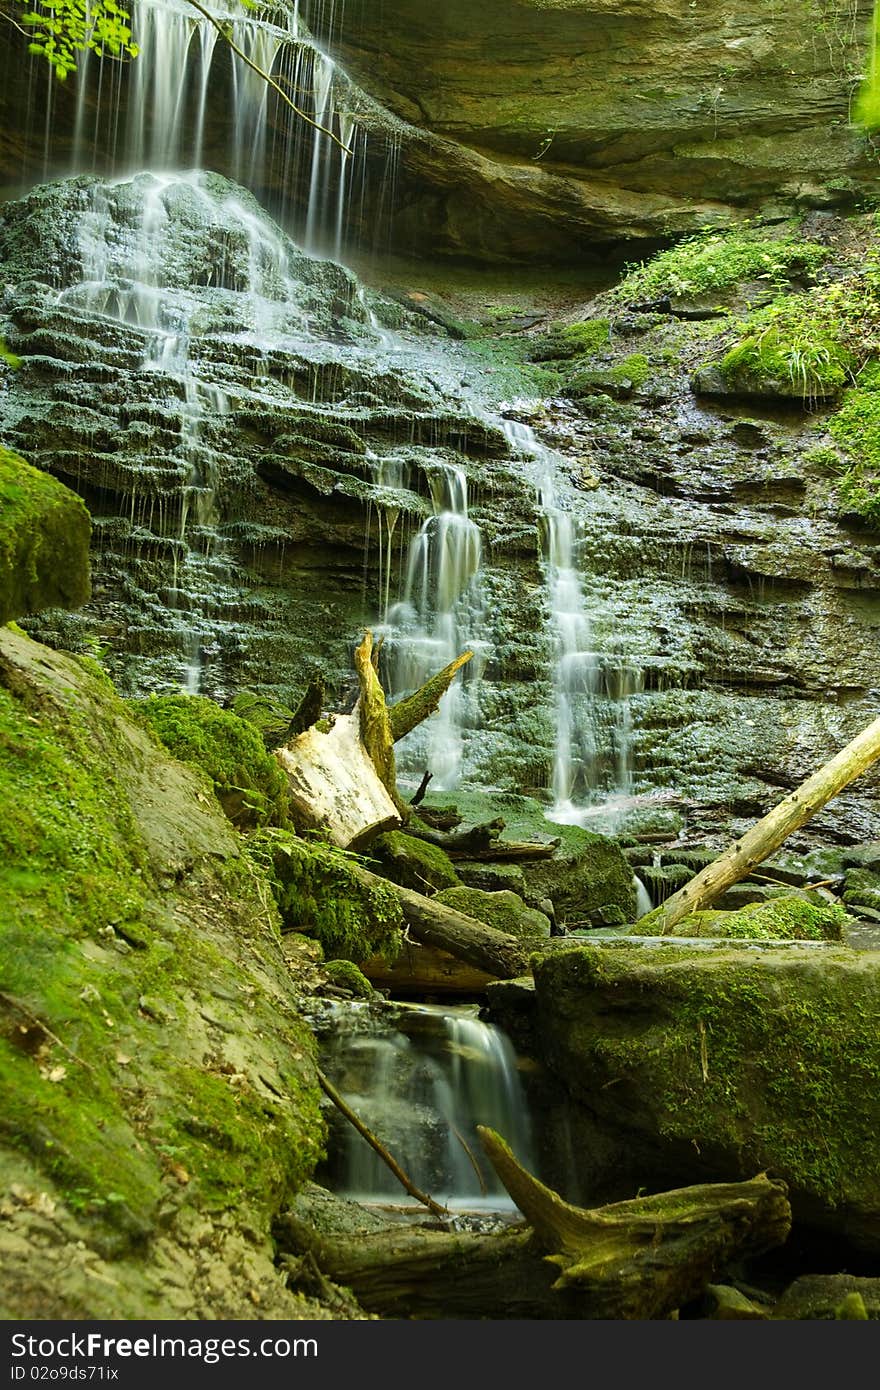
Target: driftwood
x=342, y=776
x=496, y=952
x=770, y=832
x=640, y=1259
x=483, y=842
x=420, y=970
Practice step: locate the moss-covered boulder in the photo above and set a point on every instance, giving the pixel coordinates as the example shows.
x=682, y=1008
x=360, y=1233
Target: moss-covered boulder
x=344, y=974
x=413, y=863
x=862, y=889
x=782, y=919
x=318, y=894
x=248, y=782
x=503, y=910
x=586, y=876
x=699, y=1063
x=158, y=1097
x=44, y=541
x=830, y=1298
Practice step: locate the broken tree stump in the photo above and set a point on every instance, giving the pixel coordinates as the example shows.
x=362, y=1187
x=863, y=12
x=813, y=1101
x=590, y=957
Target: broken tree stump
x=341, y=773
x=770, y=832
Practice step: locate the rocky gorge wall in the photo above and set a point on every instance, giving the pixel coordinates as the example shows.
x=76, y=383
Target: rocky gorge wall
x=253, y=503
x=514, y=129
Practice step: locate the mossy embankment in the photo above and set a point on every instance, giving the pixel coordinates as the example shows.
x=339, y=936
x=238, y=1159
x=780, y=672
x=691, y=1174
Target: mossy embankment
x=44, y=541
x=158, y=1086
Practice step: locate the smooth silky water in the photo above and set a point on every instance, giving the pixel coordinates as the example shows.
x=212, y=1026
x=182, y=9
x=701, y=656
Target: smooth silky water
x=422, y=1083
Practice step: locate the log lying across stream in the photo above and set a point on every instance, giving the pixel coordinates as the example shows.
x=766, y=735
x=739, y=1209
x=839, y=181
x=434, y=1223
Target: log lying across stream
x=640, y=1259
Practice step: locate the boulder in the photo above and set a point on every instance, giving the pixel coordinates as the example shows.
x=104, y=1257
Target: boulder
x=503, y=910
x=708, y=1063
x=586, y=874
x=830, y=1296
x=413, y=863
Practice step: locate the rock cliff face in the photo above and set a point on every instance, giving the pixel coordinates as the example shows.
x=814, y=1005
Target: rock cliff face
x=583, y=120
x=505, y=130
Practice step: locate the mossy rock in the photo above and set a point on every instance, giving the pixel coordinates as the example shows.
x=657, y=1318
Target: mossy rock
x=862, y=889
x=249, y=784
x=318, y=893
x=151, y=1062
x=587, y=874
x=44, y=541
x=830, y=1297
x=714, y=1063
x=413, y=863
x=345, y=974
x=491, y=878
x=503, y=910
x=783, y=919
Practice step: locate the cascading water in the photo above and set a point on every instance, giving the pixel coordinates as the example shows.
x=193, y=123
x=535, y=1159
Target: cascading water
x=163, y=123
x=422, y=1086
x=591, y=690
x=439, y=616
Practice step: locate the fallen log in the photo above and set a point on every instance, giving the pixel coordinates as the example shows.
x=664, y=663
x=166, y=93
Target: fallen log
x=420, y=969
x=496, y=952
x=482, y=842
x=770, y=832
x=640, y=1259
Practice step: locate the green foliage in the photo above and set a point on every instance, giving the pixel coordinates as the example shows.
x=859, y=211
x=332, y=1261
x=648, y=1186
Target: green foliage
x=249, y=783
x=61, y=29
x=855, y=429
x=717, y=260
x=792, y=345
x=571, y=340
x=319, y=894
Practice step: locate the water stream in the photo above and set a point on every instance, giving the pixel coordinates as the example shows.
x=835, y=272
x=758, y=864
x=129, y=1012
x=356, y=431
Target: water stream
x=422, y=1084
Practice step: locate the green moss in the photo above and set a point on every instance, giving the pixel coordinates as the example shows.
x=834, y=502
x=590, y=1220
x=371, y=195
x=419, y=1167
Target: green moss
x=718, y=260
x=346, y=975
x=634, y=369
x=757, y=1060
x=571, y=340
x=92, y=959
x=270, y=717
x=414, y=863
x=44, y=541
x=782, y=919
x=318, y=894
x=792, y=350
x=856, y=430
x=503, y=910
x=249, y=783
x=234, y=1143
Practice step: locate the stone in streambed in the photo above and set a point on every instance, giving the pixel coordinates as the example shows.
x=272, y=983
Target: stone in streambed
x=503, y=910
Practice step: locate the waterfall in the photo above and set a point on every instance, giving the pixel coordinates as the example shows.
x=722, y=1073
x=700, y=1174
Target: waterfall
x=160, y=120
x=438, y=617
x=591, y=691
x=422, y=1086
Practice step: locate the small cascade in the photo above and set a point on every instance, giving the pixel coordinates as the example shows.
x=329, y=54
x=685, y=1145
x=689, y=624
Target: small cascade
x=422, y=1086
x=439, y=616
x=593, y=745
x=161, y=119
